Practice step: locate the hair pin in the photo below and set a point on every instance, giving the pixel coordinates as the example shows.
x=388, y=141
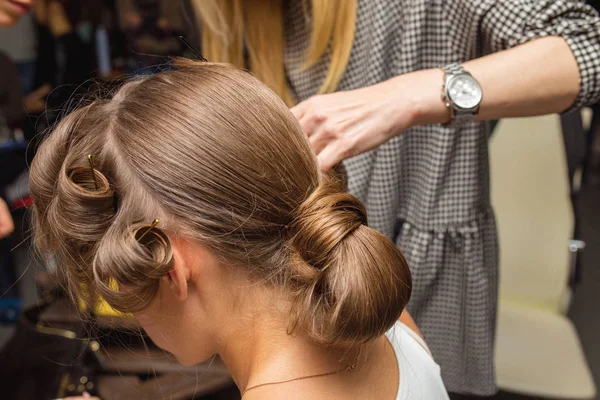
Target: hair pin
x=91, y=161
x=154, y=223
x=192, y=49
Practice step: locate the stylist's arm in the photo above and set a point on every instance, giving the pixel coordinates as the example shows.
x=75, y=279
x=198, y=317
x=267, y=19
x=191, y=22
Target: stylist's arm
x=540, y=77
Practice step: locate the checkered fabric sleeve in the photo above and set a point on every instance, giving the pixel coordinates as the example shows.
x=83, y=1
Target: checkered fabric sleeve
x=508, y=23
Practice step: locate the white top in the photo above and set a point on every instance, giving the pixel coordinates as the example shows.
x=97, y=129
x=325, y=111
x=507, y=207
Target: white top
x=420, y=377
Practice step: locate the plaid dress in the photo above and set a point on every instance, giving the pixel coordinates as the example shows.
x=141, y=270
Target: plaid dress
x=428, y=189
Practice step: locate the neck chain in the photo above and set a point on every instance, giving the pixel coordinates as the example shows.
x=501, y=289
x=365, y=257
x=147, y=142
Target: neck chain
x=349, y=368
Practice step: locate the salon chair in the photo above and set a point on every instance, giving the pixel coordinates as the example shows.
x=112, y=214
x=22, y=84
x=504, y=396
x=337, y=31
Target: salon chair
x=538, y=351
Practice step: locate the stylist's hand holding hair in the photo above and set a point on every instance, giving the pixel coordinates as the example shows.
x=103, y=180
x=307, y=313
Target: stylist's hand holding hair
x=539, y=77
x=344, y=124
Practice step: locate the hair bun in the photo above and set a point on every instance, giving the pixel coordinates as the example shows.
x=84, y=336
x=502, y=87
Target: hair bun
x=323, y=220
x=351, y=282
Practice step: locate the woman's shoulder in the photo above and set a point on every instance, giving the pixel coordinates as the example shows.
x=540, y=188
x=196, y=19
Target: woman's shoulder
x=402, y=331
x=420, y=375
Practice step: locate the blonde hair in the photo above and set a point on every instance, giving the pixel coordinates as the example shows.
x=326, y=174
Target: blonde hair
x=216, y=157
x=229, y=25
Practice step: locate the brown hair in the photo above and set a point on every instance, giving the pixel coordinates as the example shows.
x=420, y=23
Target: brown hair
x=216, y=156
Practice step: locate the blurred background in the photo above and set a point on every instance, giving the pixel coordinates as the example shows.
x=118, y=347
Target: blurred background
x=545, y=188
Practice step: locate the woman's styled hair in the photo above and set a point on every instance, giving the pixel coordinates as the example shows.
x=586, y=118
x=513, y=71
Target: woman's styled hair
x=232, y=29
x=217, y=157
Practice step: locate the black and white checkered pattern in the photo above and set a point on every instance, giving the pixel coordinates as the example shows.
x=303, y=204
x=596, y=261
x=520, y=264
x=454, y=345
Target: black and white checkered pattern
x=428, y=189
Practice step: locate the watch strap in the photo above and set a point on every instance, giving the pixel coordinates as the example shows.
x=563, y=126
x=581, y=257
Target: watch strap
x=454, y=69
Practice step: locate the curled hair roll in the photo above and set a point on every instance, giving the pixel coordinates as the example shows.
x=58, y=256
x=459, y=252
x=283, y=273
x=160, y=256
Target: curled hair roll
x=90, y=208
x=128, y=265
x=352, y=282
x=98, y=250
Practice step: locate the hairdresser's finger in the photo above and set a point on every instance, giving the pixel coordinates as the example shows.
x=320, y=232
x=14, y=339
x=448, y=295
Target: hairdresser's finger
x=311, y=114
x=298, y=110
x=331, y=156
x=320, y=139
x=331, y=132
x=311, y=125
x=311, y=120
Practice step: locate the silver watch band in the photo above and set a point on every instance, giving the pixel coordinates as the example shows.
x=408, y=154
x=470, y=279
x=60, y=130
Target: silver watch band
x=454, y=69
x=457, y=114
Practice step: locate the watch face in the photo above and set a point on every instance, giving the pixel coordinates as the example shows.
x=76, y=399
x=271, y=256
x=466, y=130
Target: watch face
x=464, y=91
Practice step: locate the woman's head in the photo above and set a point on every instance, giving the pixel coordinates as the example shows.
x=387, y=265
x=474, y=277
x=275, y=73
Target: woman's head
x=220, y=161
x=12, y=10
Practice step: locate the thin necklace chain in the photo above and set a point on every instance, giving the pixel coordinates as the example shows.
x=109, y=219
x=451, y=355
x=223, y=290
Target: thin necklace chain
x=349, y=367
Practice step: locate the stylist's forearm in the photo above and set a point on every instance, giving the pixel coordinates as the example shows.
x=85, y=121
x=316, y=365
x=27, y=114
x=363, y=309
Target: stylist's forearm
x=539, y=77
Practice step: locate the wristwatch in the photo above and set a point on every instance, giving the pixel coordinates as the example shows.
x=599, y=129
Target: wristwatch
x=461, y=93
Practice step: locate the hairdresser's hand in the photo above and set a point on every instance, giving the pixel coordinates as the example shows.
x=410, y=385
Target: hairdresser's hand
x=6, y=222
x=344, y=124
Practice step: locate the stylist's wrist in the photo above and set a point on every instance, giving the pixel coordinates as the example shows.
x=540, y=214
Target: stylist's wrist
x=423, y=90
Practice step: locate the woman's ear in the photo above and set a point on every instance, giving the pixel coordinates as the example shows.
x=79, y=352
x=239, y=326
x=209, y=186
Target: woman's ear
x=179, y=275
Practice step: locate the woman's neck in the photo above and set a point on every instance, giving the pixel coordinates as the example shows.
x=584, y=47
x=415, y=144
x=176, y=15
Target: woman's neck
x=262, y=351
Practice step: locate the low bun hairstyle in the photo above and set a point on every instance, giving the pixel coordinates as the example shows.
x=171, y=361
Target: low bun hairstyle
x=217, y=157
x=352, y=282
